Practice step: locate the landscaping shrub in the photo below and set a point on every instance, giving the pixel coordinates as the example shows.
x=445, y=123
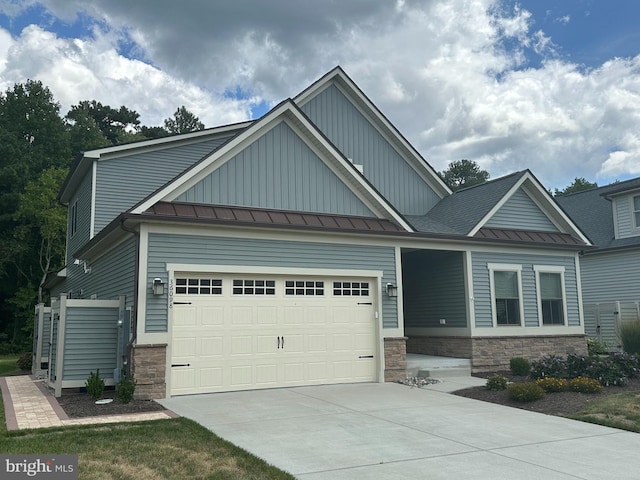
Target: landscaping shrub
x=630, y=337
x=497, y=382
x=25, y=361
x=596, y=347
x=519, y=366
x=585, y=385
x=525, y=392
x=628, y=364
x=95, y=385
x=549, y=366
x=552, y=384
x=125, y=389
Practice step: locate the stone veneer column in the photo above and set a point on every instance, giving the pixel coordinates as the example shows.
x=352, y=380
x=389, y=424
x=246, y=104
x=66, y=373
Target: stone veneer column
x=149, y=371
x=395, y=359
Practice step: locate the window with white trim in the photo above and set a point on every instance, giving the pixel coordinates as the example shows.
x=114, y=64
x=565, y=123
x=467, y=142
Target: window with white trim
x=551, y=295
x=506, y=294
x=303, y=287
x=254, y=287
x=73, y=227
x=198, y=286
x=636, y=210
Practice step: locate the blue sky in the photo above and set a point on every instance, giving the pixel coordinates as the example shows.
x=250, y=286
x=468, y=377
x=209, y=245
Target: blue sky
x=553, y=86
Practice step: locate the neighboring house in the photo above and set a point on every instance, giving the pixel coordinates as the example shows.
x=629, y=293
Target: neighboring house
x=610, y=217
x=312, y=246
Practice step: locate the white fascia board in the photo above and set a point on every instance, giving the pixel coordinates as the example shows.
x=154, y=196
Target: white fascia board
x=287, y=113
x=338, y=77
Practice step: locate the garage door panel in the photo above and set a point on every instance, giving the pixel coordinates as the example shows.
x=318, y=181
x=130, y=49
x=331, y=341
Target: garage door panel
x=212, y=316
x=231, y=341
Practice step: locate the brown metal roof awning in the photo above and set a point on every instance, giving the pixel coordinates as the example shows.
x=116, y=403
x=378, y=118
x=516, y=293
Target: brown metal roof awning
x=267, y=217
x=528, y=236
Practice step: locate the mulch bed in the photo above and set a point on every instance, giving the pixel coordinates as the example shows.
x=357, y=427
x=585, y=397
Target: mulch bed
x=79, y=405
x=560, y=403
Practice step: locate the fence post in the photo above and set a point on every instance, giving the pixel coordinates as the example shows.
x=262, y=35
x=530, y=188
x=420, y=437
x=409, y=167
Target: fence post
x=60, y=347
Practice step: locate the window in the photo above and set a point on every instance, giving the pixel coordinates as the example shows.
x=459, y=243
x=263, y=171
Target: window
x=303, y=287
x=254, y=287
x=636, y=210
x=353, y=289
x=73, y=227
x=551, y=303
x=506, y=293
x=198, y=286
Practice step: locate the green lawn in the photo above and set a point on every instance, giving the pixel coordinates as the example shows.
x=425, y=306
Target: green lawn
x=8, y=365
x=161, y=449
x=617, y=411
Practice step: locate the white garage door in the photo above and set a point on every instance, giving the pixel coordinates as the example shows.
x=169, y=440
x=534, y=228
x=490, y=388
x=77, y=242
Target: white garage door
x=241, y=332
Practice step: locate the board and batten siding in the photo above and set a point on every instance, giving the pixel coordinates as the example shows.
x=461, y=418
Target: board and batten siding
x=482, y=288
x=521, y=213
x=611, y=277
x=90, y=342
x=383, y=166
x=203, y=250
x=623, y=216
x=81, y=198
x=434, y=289
x=53, y=353
x=124, y=181
x=111, y=275
x=279, y=171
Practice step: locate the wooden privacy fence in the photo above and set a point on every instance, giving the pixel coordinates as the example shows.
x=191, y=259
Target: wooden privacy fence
x=603, y=321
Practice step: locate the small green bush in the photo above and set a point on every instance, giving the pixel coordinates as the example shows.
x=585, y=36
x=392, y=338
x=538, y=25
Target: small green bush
x=552, y=384
x=497, y=383
x=549, y=366
x=519, y=366
x=585, y=385
x=630, y=337
x=125, y=389
x=25, y=361
x=525, y=392
x=596, y=347
x=95, y=385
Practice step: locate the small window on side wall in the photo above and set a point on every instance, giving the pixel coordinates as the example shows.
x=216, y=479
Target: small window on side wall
x=506, y=293
x=636, y=211
x=73, y=226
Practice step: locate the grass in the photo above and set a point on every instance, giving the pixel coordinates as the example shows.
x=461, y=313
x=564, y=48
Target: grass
x=160, y=449
x=618, y=411
x=8, y=365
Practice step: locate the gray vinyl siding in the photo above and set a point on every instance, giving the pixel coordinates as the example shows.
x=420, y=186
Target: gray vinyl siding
x=111, y=275
x=90, y=342
x=623, y=215
x=53, y=355
x=277, y=171
x=83, y=228
x=482, y=288
x=434, y=289
x=611, y=277
x=383, y=166
x=46, y=334
x=202, y=250
x=122, y=182
x=521, y=213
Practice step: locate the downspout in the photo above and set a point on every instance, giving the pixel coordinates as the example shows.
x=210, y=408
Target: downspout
x=136, y=275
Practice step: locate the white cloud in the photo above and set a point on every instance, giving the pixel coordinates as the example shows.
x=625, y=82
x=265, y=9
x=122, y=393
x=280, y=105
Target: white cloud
x=453, y=75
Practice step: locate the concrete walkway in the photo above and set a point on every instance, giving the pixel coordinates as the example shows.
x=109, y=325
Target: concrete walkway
x=392, y=431
x=28, y=404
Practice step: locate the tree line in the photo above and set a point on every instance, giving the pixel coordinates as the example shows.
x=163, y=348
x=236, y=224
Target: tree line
x=37, y=146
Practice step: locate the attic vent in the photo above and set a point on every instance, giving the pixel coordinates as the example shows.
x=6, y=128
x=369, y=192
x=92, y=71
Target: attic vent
x=358, y=166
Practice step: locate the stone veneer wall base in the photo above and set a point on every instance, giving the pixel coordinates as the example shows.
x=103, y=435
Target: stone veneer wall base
x=395, y=359
x=149, y=371
x=490, y=354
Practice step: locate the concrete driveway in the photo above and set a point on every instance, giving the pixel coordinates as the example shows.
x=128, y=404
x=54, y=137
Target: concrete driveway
x=391, y=431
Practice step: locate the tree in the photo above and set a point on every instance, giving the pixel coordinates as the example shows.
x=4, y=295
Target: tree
x=117, y=126
x=579, y=184
x=154, y=132
x=183, y=121
x=463, y=173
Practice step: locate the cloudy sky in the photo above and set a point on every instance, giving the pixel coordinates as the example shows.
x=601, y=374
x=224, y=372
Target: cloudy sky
x=553, y=86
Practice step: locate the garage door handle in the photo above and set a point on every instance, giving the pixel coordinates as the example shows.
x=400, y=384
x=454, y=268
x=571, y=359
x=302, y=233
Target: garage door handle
x=180, y=364
x=365, y=303
x=365, y=356
x=280, y=342
x=182, y=303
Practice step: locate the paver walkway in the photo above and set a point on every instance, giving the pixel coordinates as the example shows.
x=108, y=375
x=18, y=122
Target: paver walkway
x=27, y=404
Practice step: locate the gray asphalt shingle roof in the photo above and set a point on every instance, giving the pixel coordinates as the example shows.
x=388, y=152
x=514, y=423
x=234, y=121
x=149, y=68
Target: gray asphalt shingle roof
x=591, y=210
x=460, y=212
